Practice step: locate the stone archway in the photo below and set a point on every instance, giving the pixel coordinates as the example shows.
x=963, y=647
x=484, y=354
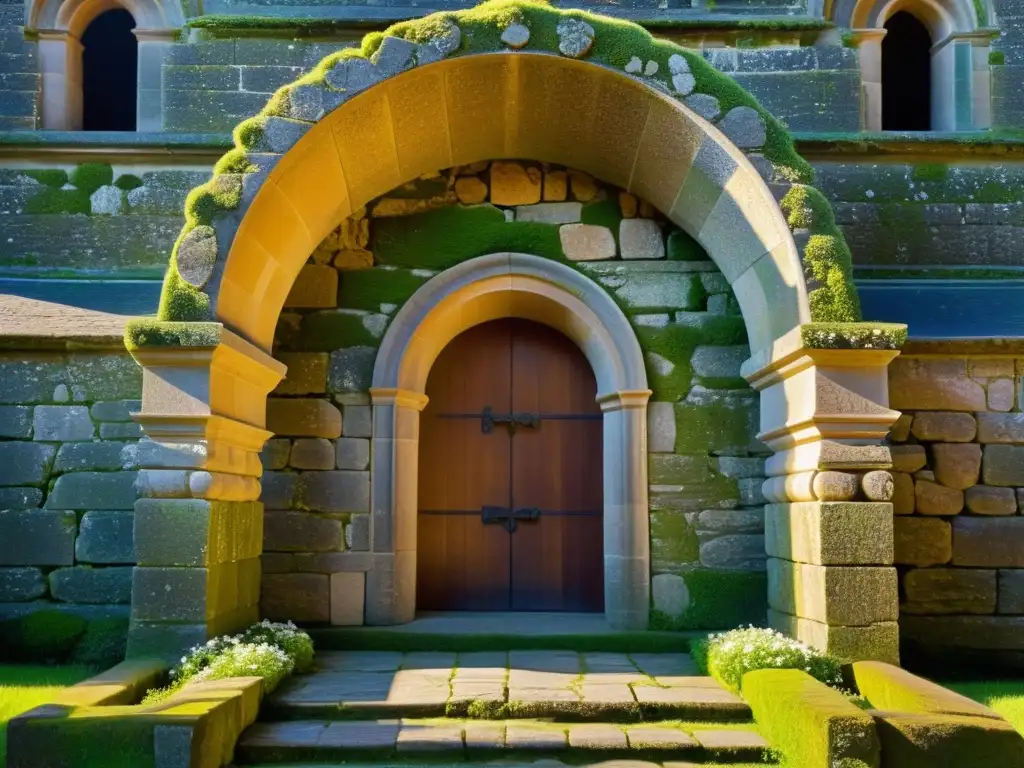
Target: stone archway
x=476, y=291
x=423, y=98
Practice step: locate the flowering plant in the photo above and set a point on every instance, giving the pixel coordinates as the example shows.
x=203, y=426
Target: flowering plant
x=270, y=650
x=727, y=656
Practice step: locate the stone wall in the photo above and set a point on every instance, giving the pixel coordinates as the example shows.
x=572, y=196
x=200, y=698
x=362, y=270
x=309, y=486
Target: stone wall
x=19, y=72
x=958, y=456
x=929, y=215
x=67, y=474
x=91, y=219
x=705, y=466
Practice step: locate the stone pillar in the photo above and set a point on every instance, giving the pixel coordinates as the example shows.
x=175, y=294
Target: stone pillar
x=869, y=49
x=828, y=526
x=394, y=449
x=198, y=521
x=627, y=540
x=60, y=65
x=153, y=47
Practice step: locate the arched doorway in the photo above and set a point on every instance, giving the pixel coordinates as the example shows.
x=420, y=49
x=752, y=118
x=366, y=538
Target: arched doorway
x=109, y=66
x=510, y=489
x=906, y=74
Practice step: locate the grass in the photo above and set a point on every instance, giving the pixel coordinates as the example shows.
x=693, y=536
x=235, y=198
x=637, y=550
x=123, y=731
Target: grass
x=1004, y=696
x=25, y=686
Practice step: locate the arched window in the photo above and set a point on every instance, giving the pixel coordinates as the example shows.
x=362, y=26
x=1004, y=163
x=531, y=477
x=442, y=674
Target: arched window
x=906, y=74
x=109, y=72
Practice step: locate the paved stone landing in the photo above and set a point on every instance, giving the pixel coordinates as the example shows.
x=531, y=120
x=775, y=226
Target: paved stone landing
x=326, y=740
x=364, y=685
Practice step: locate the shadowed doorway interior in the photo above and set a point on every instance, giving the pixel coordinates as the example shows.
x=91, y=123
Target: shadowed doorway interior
x=510, y=488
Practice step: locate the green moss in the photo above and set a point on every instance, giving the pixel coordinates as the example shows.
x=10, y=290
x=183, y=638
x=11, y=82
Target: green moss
x=369, y=288
x=853, y=335
x=51, y=177
x=103, y=644
x=47, y=636
x=444, y=237
x=604, y=213
x=179, y=301
x=147, y=332
x=234, y=161
x=930, y=172
x=673, y=540
x=996, y=58
x=682, y=247
x=725, y=424
x=89, y=177
x=331, y=330
x=719, y=600
x=849, y=39
x=127, y=182
x=249, y=134
x=51, y=200
x=674, y=344
x=980, y=12
x=809, y=722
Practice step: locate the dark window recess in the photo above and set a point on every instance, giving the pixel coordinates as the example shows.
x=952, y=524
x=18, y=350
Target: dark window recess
x=906, y=75
x=109, y=67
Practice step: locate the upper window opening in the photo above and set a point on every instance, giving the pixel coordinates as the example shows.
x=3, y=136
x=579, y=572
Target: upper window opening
x=109, y=66
x=906, y=74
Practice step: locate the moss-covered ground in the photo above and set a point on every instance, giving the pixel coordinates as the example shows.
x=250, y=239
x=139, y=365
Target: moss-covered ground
x=1004, y=696
x=26, y=686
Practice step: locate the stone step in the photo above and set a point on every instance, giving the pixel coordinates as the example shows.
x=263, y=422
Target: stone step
x=561, y=685
x=498, y=631
x=324, y=741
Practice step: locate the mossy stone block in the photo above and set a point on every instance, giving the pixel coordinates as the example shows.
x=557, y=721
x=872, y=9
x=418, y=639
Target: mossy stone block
x=718, y=600
x=351, y=369
x=893, y=689
x=812, y=724
x=368, y=289
x=674, y=543
x=717, y=424
x=333, y=329
x=914, y=740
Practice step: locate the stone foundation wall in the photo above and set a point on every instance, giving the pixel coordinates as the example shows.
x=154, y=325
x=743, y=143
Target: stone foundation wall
x=939, y=219
x=67, y=475
x=91, y=219
x=19, y=72
x=706, y=467
x=958, y=456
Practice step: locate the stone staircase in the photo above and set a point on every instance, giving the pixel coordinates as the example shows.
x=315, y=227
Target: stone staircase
x=476, y=707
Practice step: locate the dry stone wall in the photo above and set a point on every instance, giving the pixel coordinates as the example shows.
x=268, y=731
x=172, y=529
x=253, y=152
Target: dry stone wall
x=67, y=480
x=706, y=467
x=958, y=460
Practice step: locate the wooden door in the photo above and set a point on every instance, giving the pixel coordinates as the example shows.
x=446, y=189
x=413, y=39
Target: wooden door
x=539, y=546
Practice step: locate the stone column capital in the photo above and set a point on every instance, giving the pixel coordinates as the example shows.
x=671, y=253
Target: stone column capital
x=402, y=398
x=624, y=399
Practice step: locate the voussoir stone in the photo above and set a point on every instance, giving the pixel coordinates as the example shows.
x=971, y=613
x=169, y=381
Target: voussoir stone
x=934, y=499
x=197, y=255
x=957, y=465
x=949, y=427
x=575, y=38
x=744, y=127
x=515, y=36
x=988, y=500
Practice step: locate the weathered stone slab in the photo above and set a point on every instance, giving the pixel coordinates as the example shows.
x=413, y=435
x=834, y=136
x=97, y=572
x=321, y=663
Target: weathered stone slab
x=855, y=596
x=947, y=427
x=641, y=239
x=106, y=538
x=115, y=410
x=739, y=552
x=313, y=453
x=25, y=463
x=301, y=532
x=550, y=213
x=20, y=584
x=93, y=490
x=830, y=533
x=303, y=418
x=20, y=498
x=988, y=633
x=15, y=422
x=534, y=737
x=1011, y=591
x=587, y=242
x=356, y=736
x=37, y=537
x=1003, y=465
x=430, y=738
x=596, y=736
x=336, y=491
x=956, y=465
x=987, y=500
x=352, y=453
x=988, y=542
x=351, y=369
x=296, y=597
x=949, y=590
x=1001, y=427
x=307, y=373
x=922, y=541
x=83, y=584
x=921, y=384
x=357, y=421
x=933, y=499
x=80, y=457
x=102, y=376
x=651, y=737
x=275, y=453
x=908, y=458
